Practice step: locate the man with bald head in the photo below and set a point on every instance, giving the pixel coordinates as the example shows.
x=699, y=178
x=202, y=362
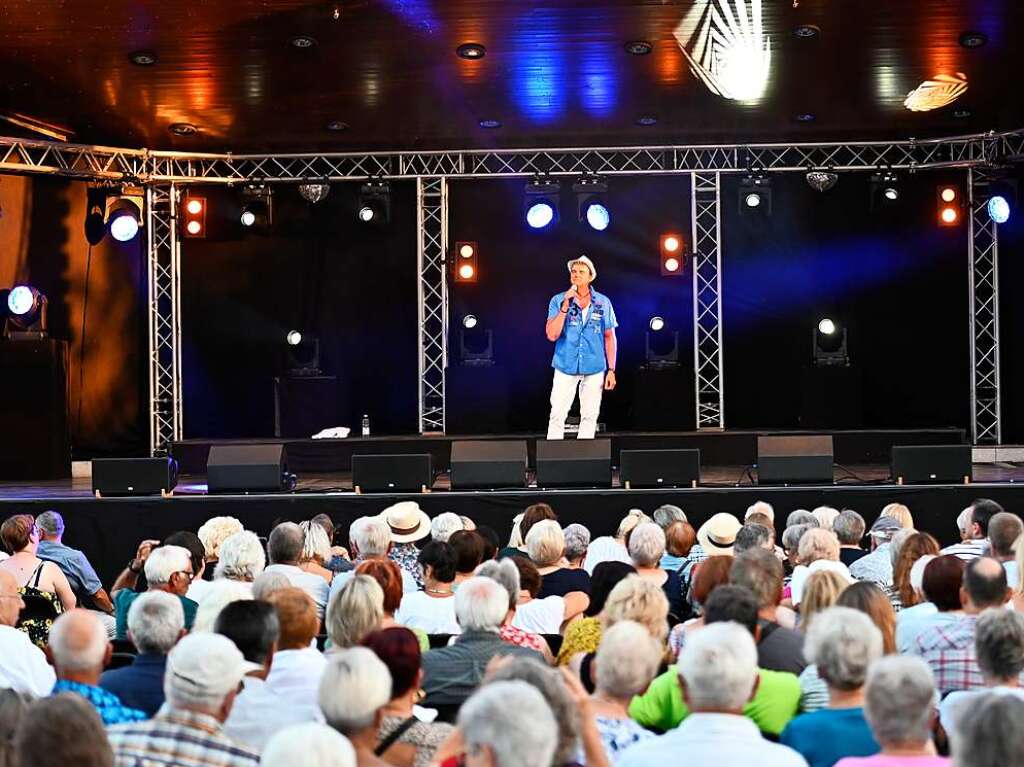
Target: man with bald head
x=79, y=650
x=949, y=648
x=23, y=666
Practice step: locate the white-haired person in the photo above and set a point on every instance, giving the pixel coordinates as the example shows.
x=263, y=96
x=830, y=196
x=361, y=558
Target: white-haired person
x=627, y=660
x=577, y=541
x=612, y=548
x=506, y=573
x=316, y=551
x=843, y=642
x=646, y=548
x=321, y=746
x=23, y=666
x=760, y=507
x=284, y=551
x=370, y=538
x=155, y=624
x=354, y=690
x=718, y=676
x=545, y=543
x=444, y=524
x=452, y=673
x=826, y=516
x=212, y=534
x=203, y=676
x=899, y=705
x=506, y=724
x=241, y=559
x=79, y=650
x=167, y=568
x=849, y=528
x=818, y=550
x=355, y=610
x=991, y=733
x=220, y=594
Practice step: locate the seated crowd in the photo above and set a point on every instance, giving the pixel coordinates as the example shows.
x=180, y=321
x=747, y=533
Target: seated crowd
x=426, y=642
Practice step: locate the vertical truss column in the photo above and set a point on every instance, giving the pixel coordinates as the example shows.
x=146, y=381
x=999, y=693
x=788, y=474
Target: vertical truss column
x=432, y=248
x=983, y=253
x=705, y=215
x=164, y=310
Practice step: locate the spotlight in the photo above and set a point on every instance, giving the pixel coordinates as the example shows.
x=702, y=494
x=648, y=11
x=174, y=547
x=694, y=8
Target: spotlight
x=830, y=344
x=465, y=261
x=661, y=348
x=194, y=220
x=374, y=202
x=294, y=338
x=973, y=39
x=302, y=354
x=947, y=194
x=471, y=51
x=257, y=206
x=885, y=190
x=638, y=47
x=26, y=308
x=656, y=324
x=183, y=129
x=998, y=209
x=21, y=300
x=590, y=202
x=469, y=321
x=755, y=195
x=826, y=327
x=541, y=203
x=949, y=205
x=476, y=344
x=124, y=214
x=673, y=255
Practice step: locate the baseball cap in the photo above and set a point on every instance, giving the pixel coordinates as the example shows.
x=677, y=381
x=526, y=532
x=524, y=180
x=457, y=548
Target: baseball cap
x=204, y=665
x=884, y=527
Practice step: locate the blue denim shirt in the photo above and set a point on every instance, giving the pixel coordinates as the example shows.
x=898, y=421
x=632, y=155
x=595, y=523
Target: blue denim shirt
x=580, y=348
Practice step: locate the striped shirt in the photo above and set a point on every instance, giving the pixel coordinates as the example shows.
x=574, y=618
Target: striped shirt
x=177, y=738
x=968, y=550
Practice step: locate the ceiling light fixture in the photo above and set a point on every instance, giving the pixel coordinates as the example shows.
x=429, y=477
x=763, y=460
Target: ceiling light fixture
x=490, y=124
x=806, y=31
x=646, y=120
x=143, y=58
x=972, y=39
x=936, y=93
x=183, y=129
x=638, y=47
x=471, y=51
x=303, y=41
x=337, y=125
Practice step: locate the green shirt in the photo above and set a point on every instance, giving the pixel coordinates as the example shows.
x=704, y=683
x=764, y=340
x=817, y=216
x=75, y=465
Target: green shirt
x=123, y=600
x=776, y=702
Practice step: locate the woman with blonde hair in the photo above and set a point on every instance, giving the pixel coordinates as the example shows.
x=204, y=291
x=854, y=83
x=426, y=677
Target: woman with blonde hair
x=817, y=551
x=900, y=513
x=545, y=543
x=316, y=551
x=356, y=609
x=821, y=591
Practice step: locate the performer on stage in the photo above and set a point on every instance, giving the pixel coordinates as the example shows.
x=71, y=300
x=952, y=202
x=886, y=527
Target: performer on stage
x=581, y=323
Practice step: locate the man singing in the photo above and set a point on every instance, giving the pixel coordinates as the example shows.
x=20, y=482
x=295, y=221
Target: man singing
x=581, y=323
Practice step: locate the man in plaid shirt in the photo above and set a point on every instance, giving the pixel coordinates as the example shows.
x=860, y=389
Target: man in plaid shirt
x=949, y=649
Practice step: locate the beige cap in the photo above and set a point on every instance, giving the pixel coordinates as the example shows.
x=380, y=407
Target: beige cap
x=408, y=522
x=583, y=260
x=718, y=534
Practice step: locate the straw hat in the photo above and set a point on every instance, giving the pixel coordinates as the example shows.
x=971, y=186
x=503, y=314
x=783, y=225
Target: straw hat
x=717, y=535
x=408, y=522
x=583, y=260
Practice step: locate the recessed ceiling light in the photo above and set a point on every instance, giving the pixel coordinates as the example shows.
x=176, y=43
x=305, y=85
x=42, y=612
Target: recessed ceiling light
x=183, y=129
x=471, y=51
x=337, y=125
x=806, y=31
x=143, y=58
x=646, y=120
x=639, y=47
x=805, y=117
x=961, y=113
x=973, y=39
x=490, y=123
x=303, y=41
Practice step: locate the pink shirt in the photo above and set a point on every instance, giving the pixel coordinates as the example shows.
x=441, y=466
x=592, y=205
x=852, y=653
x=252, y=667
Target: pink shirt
x=882, y=760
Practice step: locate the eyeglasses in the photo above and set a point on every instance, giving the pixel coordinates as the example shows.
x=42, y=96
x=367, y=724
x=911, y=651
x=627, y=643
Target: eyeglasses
x=187, y=573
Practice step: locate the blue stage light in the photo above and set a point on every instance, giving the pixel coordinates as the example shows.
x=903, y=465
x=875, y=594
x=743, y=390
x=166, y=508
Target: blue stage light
x=20, y=300
x=540, y=214
x=598, y=216
x=999, y=209
x=124, y=225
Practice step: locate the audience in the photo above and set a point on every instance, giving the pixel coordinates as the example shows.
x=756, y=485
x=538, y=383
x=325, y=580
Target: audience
x=612, y=548
x=79, y=650
x=284, y=550
x=941, y=581
x=443, y=525
x=316, y=551
x=81, y=576
x=355, y=610
x=507, y=724
x=849, y=528
x=877, y=566
x=506, y=573
x=914, y=546
x=976, y=542
x=548, y=615
x=167, y=568
x=403, y=738
x=339, y=562
x=433, y=609
x=469, y=553
x=818, y=550
x=991, y=733
x=842, y=644
x=407, y=523
x=1003, y=531
x=871, y=601
x=155, y=623
x=61, y=731
x=577, y=540
x=23, y=666
x=370, y=538
x=216, y=597
x=715, y=537
x=13, y=705
x=826, y=516
x=753, y=535
x=321, y=746
x=900, y=513
x=354, y=692
x=492, y=541
x=646, y=548
x=708, y=575
x=545, y=543
x=240, y=559
x=212, y=535
x=780, y=648
x=389, y=577
x=297, y=666
x=679, y=540
x=203, y=674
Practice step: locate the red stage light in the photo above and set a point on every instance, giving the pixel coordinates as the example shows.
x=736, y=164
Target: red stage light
x=950, y=215
x=194, y=206
x=194, y=216
x=949, y=202
x=466, y=271
x=673, y=254
x=948, y=194
x=466, y=262
x=671, y=265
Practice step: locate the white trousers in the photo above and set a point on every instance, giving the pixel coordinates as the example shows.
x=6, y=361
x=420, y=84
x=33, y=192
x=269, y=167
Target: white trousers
x=563, y=392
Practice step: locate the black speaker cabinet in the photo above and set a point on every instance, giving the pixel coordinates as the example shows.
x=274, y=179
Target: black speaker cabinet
x=932, y=463
x=574, y=463
x=392, y=473
x=790, y=460
x=246, y=468
x=488, y=464
x=304, y=405
x=134, y=476
x=659, y=468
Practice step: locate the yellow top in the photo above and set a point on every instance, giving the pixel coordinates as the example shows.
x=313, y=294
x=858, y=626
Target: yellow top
x=582, y=636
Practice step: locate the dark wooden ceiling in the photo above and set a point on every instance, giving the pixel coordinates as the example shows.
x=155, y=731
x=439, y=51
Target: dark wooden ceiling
x=555, y=74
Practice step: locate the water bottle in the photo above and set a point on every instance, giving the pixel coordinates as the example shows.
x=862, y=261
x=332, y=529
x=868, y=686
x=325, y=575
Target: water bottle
x=366, y=425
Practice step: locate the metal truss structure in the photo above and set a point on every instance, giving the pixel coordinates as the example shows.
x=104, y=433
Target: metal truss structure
x=706, y=222
x=986, y=424
x=164, y=312
x=164, y=172
x=431, y=253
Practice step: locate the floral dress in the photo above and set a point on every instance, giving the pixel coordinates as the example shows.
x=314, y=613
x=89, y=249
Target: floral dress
x=41, y=609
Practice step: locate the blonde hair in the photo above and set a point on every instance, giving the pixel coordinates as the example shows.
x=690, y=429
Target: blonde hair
x=637, y=599
x=818, y=543
x=631, y=520
x=826, y=516
x=355, y=610
x=316, y=546
x=545, y=543
x=215, y=531
x=820, y=592
x=900, y=513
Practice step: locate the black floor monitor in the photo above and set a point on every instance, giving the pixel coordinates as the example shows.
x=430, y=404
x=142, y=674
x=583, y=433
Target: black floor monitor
x=920, y=464
x=659, y=468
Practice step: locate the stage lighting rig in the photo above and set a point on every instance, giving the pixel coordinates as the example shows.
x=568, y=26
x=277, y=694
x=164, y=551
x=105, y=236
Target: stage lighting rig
x=476, y=344
x=950, y=203
x=540, y=206
x=124, y=213
x=755, y=195
x=1002, y=199
x=661, y=347
x=302, y=354
x=193, y=216
x=26, y=313
x=673, y=254
x=374, y=202
x=591, y=203
x=885, y=190
x=257, y=206
x=830, y=344
x=465, y=261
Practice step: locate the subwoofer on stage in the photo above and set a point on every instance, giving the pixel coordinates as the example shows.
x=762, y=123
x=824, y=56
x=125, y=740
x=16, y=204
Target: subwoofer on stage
x=488, y=463
x=932, y=463
x=659, y=468
x=247, y=468
x=574, y=463
x=133, y=476
x=791, y=460
x=387, y=473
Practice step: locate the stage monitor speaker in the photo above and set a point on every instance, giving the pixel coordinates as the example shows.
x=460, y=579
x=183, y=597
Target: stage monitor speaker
x=133, y=476
x=488, y=463
x=246, y=468
x=574, y=463
x=659, y=468
x=790, y=460
x=392, y=473
x=932, y=463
